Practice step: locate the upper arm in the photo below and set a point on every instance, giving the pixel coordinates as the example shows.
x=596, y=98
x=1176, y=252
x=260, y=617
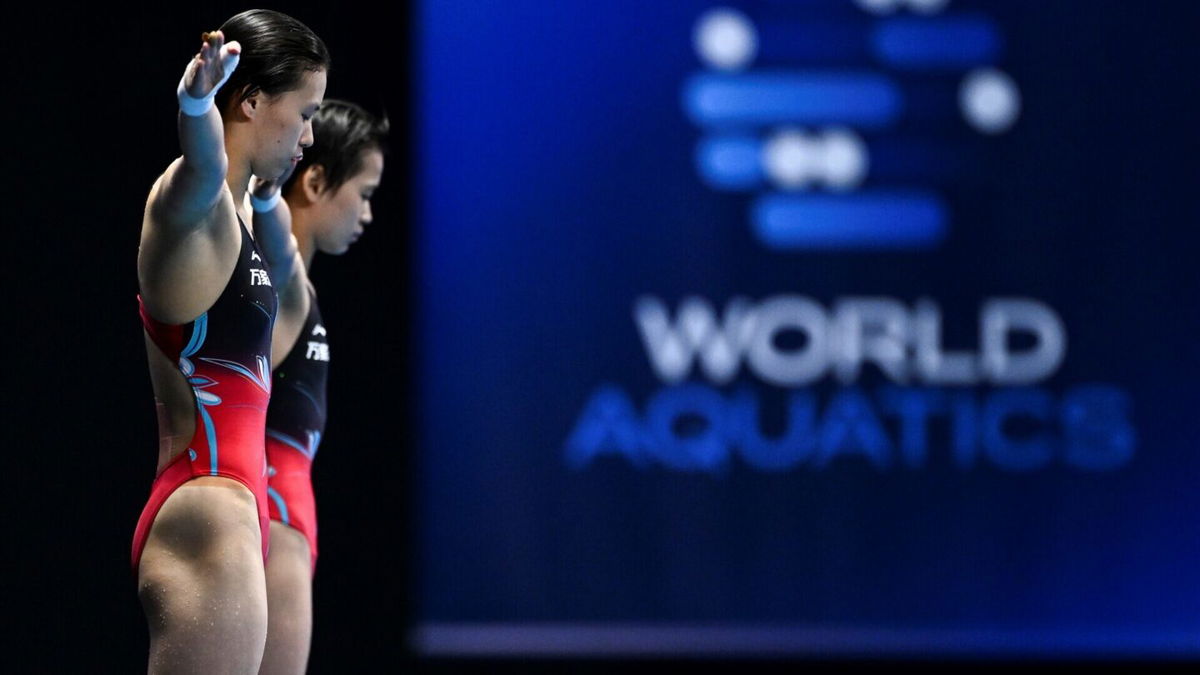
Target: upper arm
x=185, y=195
x=294, y=302
x=273, y=231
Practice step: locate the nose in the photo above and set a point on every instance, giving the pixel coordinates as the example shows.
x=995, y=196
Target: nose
x=306, y=137
x=366, y=217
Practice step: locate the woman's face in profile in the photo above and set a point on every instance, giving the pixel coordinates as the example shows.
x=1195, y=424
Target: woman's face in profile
x=284, y=125
x=343, y=213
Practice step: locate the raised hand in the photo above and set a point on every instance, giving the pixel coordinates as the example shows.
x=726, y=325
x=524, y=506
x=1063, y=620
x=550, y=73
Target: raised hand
x=188, y=195
x=212, y=66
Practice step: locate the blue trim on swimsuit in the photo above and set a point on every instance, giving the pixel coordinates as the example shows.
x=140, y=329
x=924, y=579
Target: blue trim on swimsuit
x=283, y=514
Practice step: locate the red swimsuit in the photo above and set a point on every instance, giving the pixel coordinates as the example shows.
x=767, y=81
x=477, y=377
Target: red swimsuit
x=225, y=354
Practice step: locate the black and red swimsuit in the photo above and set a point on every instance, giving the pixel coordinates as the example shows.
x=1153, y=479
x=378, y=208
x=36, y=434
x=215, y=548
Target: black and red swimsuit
x=295, y=423
x=225, y=354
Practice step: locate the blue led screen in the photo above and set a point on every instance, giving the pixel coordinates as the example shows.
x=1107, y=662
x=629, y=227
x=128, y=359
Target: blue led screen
x=825, y=326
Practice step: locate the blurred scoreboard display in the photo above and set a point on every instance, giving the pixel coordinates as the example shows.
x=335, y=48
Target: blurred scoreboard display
x=808, y=327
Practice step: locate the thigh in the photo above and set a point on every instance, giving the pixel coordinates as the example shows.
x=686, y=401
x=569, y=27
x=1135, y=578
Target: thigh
x=289, y=601
x=201, y=580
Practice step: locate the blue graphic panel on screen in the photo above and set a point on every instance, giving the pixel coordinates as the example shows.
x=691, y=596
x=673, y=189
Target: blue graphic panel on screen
x=813, y=145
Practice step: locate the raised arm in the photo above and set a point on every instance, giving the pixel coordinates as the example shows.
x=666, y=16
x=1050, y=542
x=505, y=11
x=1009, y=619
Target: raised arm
x=273, y=230
x=193, y=184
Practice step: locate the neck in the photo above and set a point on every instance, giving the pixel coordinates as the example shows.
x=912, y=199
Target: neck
x=305, y=240
x=237, y=177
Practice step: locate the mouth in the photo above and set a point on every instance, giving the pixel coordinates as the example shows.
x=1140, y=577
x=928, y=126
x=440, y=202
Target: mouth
x=297, y=158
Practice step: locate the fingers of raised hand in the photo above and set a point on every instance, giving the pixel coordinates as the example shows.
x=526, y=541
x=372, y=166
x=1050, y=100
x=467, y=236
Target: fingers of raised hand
x=200, y=79
x=215, y=45
x=210, y=47
x=211, y=67
x=213, y=40
x=215, y=61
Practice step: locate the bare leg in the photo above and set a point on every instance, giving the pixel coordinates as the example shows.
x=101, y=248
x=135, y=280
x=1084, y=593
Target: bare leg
x=289, y=599
x=201, y=581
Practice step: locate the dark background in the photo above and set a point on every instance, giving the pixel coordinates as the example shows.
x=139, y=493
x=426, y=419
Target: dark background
x=91, y=123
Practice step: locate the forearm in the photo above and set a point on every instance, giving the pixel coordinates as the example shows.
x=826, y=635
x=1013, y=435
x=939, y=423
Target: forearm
x=202, y=140
x=193, y=184
x=273, y=231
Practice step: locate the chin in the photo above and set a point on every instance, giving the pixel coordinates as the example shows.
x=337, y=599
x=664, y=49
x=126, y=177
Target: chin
x=334, y=250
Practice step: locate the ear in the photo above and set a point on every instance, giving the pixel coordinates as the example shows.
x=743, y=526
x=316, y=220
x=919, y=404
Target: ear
x=313, y=182
x=250, y=105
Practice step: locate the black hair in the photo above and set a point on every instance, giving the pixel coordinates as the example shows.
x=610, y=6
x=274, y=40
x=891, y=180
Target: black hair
x=277, y=51
x=342, y=133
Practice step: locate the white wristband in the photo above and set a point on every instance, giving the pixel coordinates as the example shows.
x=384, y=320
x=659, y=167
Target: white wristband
x=195, y=107
x=265, y=205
